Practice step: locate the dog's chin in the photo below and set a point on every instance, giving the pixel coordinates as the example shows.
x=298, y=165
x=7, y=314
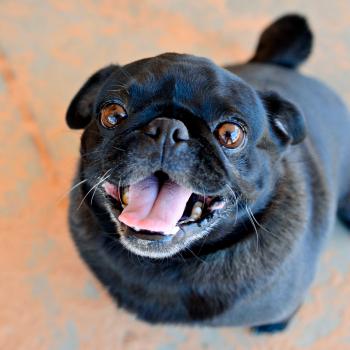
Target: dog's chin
x=162, y=246
x=157, y=244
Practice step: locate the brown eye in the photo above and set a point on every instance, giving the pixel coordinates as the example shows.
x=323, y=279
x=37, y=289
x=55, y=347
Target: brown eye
x=112, y=115
x=230, y=135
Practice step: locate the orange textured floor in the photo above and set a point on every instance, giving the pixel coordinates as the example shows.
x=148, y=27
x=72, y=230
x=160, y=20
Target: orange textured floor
x=48, y=298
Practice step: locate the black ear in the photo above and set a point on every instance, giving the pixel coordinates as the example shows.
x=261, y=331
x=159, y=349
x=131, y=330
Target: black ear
x=80, y=109
x=286, y=120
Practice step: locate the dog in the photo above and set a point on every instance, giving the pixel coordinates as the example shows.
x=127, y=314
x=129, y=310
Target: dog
x=204, y=195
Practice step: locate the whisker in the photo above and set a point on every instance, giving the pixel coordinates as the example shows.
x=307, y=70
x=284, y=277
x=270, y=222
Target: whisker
x=196, y=256
x=262, y=227
x=119, y=197
x=96, y=187
x=204, y=239
x=179, y=254
x=93, y=188
x=232, y=191
x=70, y=190
x=118, y=149
x=255, y=229
x=104, y=178
x=236, y=213
x=92, y=152
x=236, y=198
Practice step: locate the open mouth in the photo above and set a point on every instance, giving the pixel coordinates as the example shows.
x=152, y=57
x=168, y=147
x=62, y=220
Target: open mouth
x=159, y=205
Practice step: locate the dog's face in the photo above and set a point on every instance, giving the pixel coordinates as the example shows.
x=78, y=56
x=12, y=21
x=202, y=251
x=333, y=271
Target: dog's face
x=178, y=150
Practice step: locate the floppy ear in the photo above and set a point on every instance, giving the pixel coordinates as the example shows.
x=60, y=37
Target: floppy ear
x=286, y=120
x=80, y=110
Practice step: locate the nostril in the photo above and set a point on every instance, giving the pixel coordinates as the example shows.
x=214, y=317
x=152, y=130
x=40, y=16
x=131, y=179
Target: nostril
x=153, y=131
x=166, y=130
x=180, y=134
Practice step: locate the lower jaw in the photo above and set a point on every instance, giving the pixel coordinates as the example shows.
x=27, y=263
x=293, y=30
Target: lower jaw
x=156, y=249
x=163, y=246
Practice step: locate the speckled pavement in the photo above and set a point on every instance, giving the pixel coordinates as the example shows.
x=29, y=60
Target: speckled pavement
x=48, y=298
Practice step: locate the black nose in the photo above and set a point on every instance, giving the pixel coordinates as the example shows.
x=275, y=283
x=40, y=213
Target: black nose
x=166, y=130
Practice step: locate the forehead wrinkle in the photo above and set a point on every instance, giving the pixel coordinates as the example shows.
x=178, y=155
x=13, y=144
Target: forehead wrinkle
x=201, y=87
x=116, y=86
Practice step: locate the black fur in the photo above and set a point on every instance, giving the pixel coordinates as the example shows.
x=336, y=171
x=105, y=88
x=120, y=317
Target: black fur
x=251, y=263
x=81, y=107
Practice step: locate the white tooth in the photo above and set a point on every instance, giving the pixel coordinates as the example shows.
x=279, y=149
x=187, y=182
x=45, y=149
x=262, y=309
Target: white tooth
x=173, y=231
x=196, y=210
x=136, y=229
x=217, y=205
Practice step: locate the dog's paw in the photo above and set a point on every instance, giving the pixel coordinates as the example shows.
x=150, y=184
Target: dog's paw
x=270, y=328
x=344, y=211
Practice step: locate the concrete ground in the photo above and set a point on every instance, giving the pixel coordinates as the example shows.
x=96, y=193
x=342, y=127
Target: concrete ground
x=48, y=298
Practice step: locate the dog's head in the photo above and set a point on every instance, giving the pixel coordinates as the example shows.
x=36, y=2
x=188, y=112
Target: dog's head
x=177, y=150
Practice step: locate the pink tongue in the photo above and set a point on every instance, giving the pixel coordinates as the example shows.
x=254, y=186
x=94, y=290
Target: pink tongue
x=153, y=208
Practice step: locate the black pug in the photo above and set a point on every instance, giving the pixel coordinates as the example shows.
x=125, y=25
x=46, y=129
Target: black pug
x=205, y=194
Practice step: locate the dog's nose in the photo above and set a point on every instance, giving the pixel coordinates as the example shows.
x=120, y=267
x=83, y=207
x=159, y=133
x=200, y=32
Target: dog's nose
x=166, y=130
